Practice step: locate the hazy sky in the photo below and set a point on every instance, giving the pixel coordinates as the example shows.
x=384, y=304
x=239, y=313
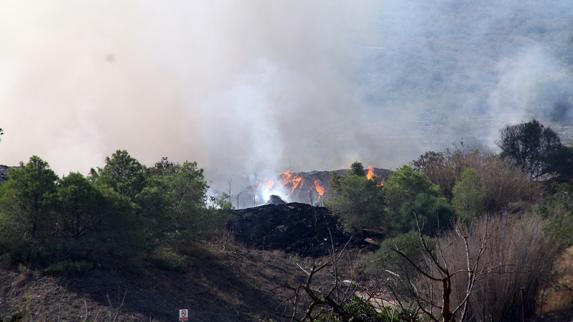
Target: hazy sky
x=256, y=86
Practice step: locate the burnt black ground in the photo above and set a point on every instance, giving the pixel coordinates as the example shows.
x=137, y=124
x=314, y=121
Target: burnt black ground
x=294, y=228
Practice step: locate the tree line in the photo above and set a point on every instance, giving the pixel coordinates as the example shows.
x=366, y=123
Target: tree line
x=117, y=216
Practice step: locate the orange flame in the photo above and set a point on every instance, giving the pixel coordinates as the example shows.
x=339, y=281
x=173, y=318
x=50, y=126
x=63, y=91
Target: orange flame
x=319, y=188
x=371, y=175
x=270, y=184
x=292, y=180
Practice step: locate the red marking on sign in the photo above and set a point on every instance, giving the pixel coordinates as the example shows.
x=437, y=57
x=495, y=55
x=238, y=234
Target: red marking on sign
x=184, y=315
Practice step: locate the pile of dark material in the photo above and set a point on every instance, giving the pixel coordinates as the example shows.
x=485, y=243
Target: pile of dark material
x=294, y=227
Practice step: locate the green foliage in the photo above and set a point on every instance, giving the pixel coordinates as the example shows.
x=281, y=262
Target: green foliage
x=357, y=169
x=358, y=202
x=153, y=205
x=360, y=310
x=502, y=183
x=78, y=206
x=123, y=173
x=386, y=257
x=469, y=197
x=557, y=209
x=222, y=202
x=16, y=317
x=535, y=148
x=69, y=267
x=409, y=193
x=168, y=259
x=116, y=217
x=185, y=192
x=45, y=220
x=26, y=219
x=119, y=241
x=562, y=163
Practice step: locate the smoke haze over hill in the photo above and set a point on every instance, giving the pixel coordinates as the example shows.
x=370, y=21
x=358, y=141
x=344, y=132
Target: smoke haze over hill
x=256, y=87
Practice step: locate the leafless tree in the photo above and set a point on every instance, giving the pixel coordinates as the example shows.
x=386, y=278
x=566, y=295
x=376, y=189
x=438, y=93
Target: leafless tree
x=315, y=297
x=438, y=276
x=491, y=269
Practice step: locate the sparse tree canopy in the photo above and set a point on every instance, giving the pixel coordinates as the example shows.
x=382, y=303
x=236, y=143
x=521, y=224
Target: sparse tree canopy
x=357, y=169
x=440, y=168
x=123, y=173
x=561, y=163
x=531, y=146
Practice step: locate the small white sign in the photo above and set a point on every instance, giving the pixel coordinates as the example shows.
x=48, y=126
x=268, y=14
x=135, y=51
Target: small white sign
x=184, y=315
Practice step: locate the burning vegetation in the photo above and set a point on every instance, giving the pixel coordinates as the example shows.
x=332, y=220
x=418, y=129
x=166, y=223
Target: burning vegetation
x=304, y=187
x=319, y=188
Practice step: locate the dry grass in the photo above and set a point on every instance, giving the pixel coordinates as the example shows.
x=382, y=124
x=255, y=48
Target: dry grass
x=558, y=297
x=514, y=268
x=501, y=182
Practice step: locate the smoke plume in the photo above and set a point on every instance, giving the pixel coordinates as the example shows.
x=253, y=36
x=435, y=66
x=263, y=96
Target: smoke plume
x=250, y=88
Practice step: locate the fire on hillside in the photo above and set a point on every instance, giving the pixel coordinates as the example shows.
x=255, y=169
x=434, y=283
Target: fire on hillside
x=305, y=187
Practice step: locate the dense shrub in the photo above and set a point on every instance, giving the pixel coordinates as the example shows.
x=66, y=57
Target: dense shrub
x=69, y=267
x=557, y=209
x=359, y=202
x=168, y=259
x=409, y=192
x=362, y=311
x=387, y=259
x=468, y=195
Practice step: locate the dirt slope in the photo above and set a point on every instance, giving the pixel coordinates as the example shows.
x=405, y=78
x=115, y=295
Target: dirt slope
x=231, y=285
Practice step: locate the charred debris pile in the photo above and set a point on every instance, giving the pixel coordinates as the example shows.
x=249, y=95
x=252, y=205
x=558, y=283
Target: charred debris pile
x=297, y=228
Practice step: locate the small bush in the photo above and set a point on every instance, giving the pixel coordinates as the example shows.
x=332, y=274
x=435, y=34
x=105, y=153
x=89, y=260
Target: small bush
x=469, y=196
x=386, y=258
x=69, y=267
x=362, y=311
x=557, y=209
x=410, y=192
x=168, y=259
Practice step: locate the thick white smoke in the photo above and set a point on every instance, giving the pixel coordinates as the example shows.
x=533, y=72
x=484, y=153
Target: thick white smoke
x=250, y=88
